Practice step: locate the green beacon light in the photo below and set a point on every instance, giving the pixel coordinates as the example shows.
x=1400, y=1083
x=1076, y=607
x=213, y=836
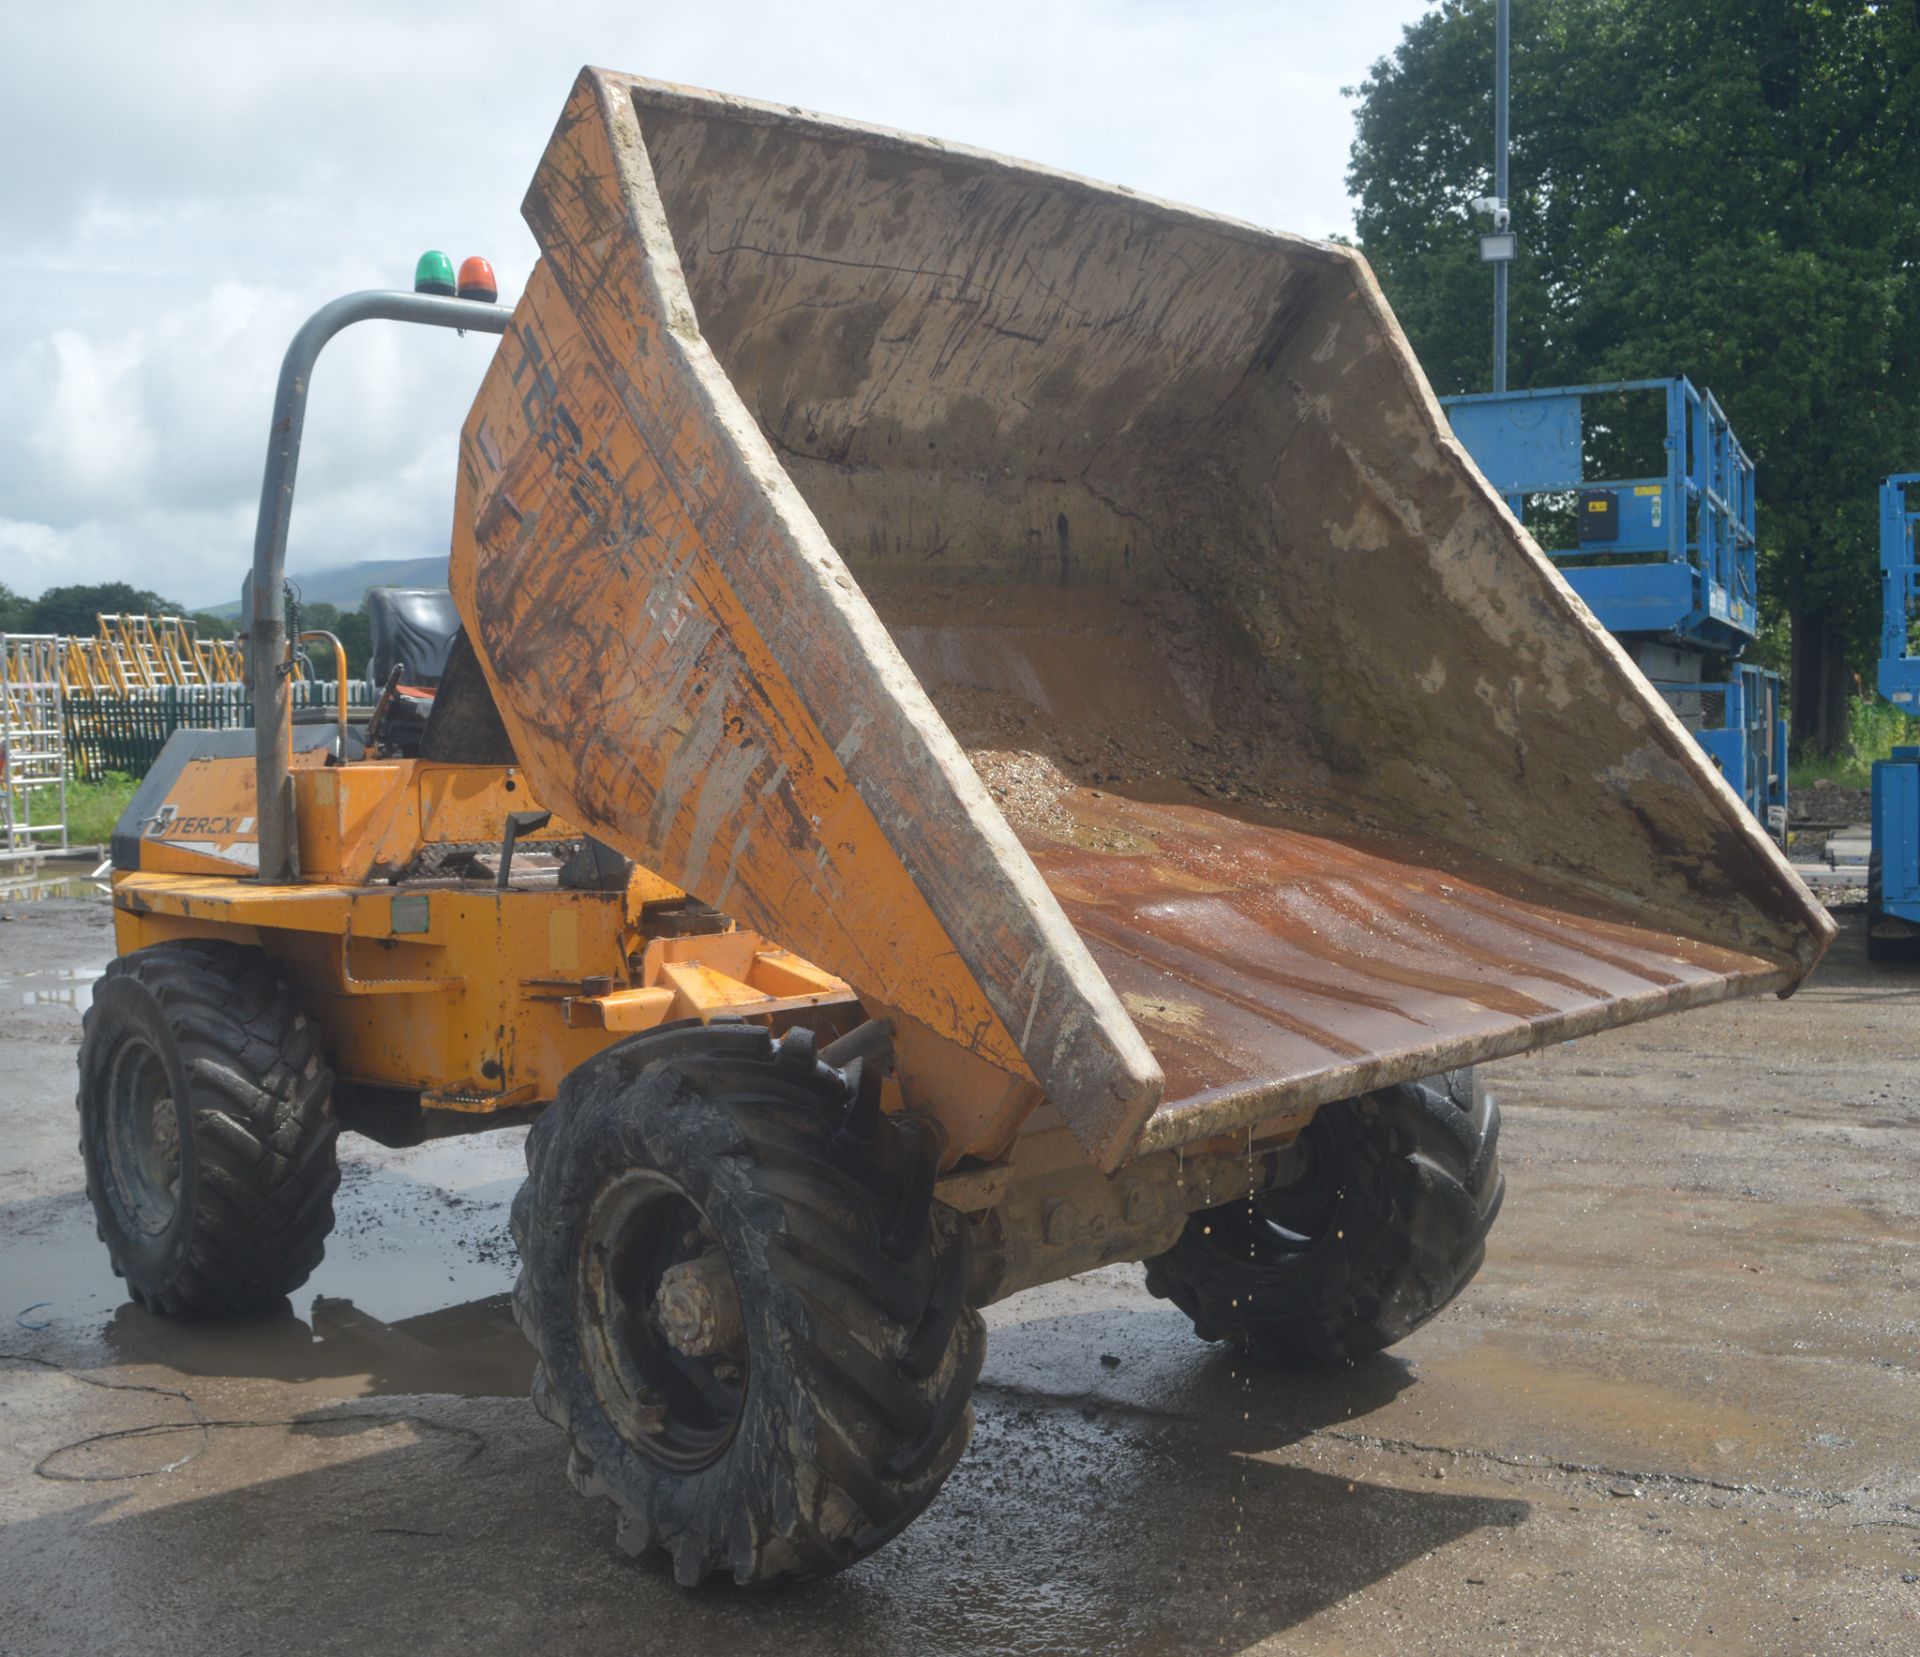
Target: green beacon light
x=434, y=274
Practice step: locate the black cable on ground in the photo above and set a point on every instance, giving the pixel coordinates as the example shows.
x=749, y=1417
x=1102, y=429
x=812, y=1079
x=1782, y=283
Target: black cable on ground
x=206, y=1426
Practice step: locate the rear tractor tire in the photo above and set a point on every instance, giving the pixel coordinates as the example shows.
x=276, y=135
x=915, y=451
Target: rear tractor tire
x=750, y=1315
x=206, y=1128
x=1384, y=1224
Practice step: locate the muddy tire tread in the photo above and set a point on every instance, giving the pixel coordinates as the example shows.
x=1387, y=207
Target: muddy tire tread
x=1420, y=1187
x=264, y=1134
x=872, y=1402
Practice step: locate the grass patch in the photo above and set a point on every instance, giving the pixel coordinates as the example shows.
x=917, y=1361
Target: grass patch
x=1874, y=730
x=93, y=807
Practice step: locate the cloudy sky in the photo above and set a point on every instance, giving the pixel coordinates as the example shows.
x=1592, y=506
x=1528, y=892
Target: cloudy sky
x=182, y=183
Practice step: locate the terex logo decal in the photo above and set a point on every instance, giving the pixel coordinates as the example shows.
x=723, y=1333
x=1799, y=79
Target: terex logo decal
x=168, y=824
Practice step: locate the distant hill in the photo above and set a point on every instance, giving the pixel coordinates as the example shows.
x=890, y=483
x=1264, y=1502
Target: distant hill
x=346, y=586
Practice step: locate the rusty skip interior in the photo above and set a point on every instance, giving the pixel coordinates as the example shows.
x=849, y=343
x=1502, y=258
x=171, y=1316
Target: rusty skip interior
x=1097, y=476
x=1334, y=780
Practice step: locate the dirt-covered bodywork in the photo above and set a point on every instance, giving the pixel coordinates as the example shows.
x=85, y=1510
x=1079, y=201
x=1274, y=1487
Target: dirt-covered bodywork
x=1065, y=616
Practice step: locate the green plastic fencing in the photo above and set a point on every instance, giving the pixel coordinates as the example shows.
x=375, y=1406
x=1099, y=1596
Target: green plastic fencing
x=126, y=733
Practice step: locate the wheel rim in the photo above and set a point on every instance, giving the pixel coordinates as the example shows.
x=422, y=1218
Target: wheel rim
x=1283, y=1224
x=142, y=1137
x=679, y=1410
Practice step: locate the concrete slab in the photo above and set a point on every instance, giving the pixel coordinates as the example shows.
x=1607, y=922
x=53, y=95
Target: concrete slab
x=1674, y=1414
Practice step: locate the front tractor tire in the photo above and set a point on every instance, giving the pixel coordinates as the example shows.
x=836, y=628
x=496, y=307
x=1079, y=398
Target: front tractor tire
x=1384, y=1222
x=749, y=1313
x=206, y=1127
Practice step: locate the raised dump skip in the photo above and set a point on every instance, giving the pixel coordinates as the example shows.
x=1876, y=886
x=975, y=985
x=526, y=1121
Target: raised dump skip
x=1317, y=775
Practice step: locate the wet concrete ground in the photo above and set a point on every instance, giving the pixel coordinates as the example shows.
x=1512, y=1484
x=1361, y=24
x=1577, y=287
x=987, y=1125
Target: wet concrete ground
x=1676, y=1413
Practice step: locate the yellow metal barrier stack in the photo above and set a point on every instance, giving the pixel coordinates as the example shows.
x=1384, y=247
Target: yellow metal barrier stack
x=137, y=678
x=140, y=677
x=130, y=653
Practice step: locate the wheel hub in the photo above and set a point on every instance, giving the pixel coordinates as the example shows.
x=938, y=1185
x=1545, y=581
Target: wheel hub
x=697, y=1308
x=142, y=1138
x=658, y=1319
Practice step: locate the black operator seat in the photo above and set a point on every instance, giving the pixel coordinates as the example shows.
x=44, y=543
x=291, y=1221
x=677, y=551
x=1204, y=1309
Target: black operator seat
x=413, y=628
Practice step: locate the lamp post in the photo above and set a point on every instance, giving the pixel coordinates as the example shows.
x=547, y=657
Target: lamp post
x=1497, y=248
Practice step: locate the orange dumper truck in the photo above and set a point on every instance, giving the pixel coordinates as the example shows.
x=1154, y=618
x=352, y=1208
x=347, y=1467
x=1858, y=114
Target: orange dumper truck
x=989, y=729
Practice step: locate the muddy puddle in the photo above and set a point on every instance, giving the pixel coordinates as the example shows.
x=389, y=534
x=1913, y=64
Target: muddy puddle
x=51, y=986
x=57, y=877
x=332, y=1348
x=411, y=1297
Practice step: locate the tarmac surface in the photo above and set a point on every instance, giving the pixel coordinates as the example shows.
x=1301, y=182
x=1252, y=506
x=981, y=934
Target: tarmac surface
x=1676, y=1413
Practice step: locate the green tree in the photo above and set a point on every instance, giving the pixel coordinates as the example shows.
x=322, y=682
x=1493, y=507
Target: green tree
x=356, y=633
x=16, y=613
x=350, y=627
x=1727, y=189
x=77, y=609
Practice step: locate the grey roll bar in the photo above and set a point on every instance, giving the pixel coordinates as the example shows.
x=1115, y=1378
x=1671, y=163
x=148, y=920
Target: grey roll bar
x=267, y=671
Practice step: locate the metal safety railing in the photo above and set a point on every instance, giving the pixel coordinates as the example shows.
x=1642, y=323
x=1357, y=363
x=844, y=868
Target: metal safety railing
x=1900, y=590
x=33, y=761
x=113, y=733
x=1669, y=550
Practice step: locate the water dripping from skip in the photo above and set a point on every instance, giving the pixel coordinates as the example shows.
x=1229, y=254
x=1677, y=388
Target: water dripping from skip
x=1240, y=1375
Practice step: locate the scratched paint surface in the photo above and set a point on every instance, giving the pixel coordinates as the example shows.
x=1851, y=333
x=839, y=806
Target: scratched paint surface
x=613, y=529
x=801, y=424
x=675, y=731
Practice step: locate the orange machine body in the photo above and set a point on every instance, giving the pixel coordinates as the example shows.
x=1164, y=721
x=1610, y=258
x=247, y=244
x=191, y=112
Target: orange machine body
x=471, y=997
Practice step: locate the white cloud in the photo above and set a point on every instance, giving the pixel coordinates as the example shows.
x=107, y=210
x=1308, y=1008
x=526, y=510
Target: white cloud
x=186, y=182
x=91, y=435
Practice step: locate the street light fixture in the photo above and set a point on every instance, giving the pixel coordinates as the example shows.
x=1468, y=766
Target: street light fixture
x=1497, y=249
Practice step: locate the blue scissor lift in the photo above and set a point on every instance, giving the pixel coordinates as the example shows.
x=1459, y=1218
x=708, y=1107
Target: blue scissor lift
x=1893, y=898
x=1665, y=560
